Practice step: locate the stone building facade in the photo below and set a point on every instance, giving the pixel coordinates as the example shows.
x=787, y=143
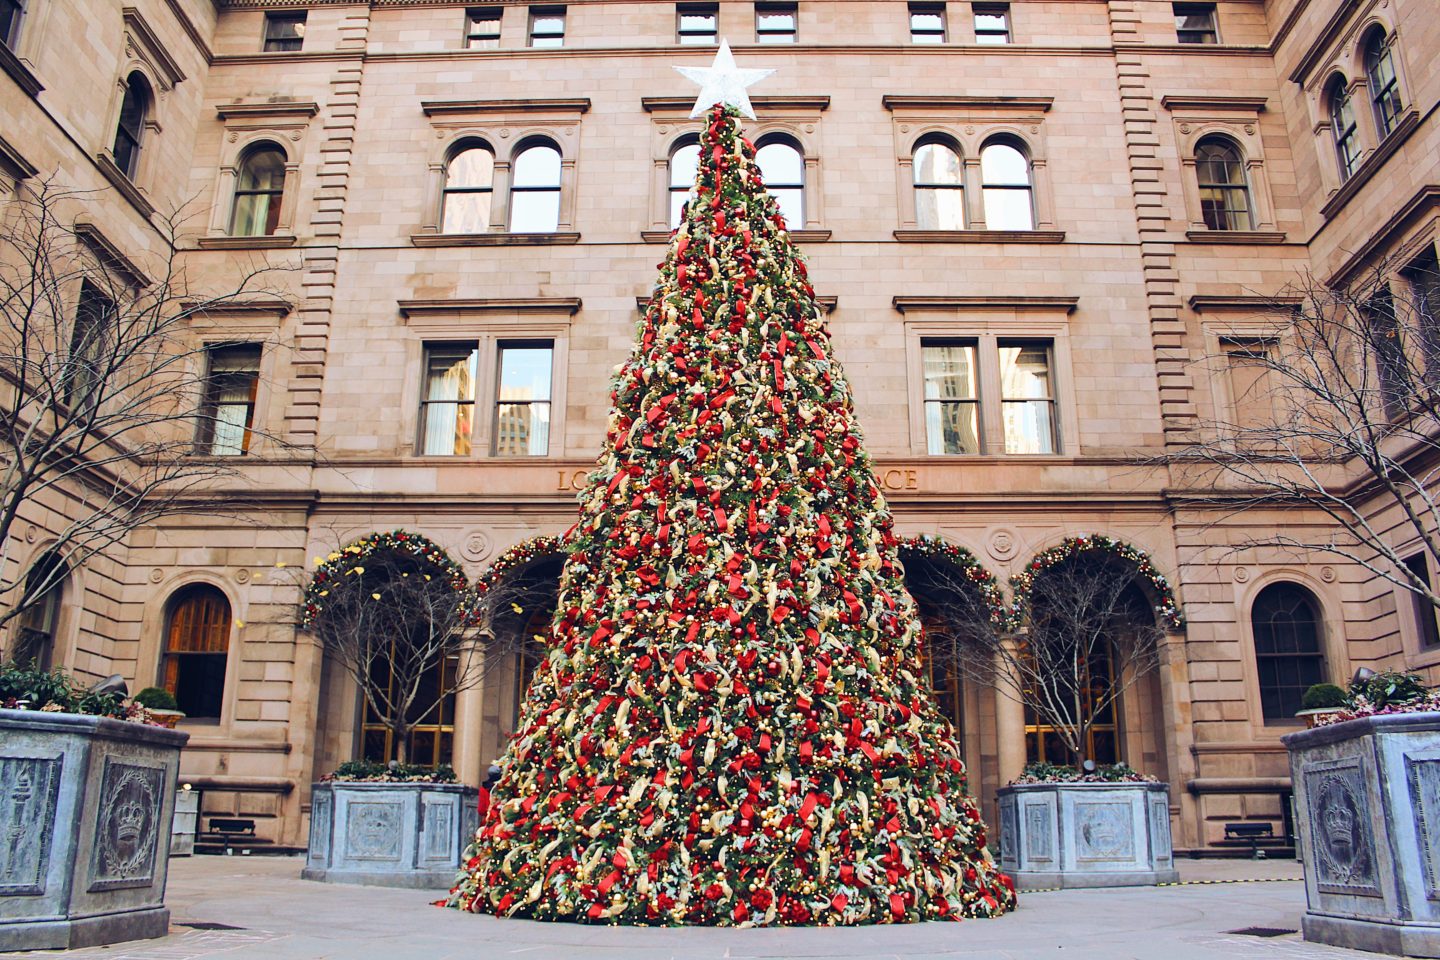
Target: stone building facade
x=1087, y=266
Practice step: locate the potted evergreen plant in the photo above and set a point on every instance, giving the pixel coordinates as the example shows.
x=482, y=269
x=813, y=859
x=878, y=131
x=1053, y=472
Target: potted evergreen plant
x=89, y=793
x=160, y=704
x=1321, y=700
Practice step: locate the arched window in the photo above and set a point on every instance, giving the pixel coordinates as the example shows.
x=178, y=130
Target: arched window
x=939, y=189
x=535, y=190
x=44, y=589
x=1342, y=127
x=1224, y=191
x=197, y=646
x=1384, y=84
x=782, y=167
x=133, y=110
x=258, y=192
x=684, y=165
x=1005, y=181
x=1288, y=657
x=469, y=181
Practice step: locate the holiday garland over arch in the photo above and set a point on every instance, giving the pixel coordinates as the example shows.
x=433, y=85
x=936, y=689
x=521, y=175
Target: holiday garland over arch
x=1023, y=583
x=524, y=552
x=984, y=581
x=350, y=560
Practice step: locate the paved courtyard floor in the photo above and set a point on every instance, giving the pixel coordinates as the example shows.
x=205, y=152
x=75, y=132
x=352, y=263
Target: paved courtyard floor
x=249, y=908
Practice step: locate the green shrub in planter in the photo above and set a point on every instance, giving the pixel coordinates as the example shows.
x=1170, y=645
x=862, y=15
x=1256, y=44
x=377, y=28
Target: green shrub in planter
x=1389, y=689
x=30, y=688
x=1323, y=696
x=156, y=698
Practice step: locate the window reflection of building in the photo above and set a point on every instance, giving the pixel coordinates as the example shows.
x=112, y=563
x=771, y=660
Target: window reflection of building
x=432, y=739
x=1042, y=742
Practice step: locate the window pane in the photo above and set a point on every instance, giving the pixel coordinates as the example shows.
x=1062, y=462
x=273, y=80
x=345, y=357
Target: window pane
x=950, y=428
x=1008, y=209
x=525, y=373
x=780, y=164
x=684, y=165
x=992, y=26
x=450, y=373
x=482, y=29
x=776, y=25
x=10, y=12
x=535, y=212
x=522, y=429
x=939, y=209
x=1024, y=371
x=466, y=213
x=263, y=170
x=474, y=167
x=1029, y=427
x=936, y=163
x=284, y=31
x=678, y=198
x=1002, y=164
x=537, y=167
x=792, y=207
x=254, y=215
x=949, y=372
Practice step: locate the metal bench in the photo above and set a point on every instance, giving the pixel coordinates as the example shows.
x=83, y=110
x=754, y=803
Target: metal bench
x=1251, y=833
x=228, y=832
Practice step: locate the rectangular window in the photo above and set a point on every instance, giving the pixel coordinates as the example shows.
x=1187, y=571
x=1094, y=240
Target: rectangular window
x=952, y=399
x=227, y=413
x=1423, y=274
x=1195, y=23
x=992, y=23
x=522, y=399
x=547, y=26
x=1424, y=609
x=776, y=22
x=1388, y=346
x=482, y=28
x=697, y=24
x=447, y=405
x=1252, y=398
x=927, y=23
x=11, y=12
x=86, y=364
x=284, y=31
x=1027, y=396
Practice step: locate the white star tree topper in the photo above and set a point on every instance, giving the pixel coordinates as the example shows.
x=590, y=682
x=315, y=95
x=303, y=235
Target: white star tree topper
x=723, y=82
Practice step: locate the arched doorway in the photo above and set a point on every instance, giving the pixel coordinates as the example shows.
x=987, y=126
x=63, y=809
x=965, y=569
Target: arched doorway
x=35, y=634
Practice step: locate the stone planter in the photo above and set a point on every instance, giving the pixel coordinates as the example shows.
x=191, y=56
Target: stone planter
x=186, y=822
x=1086, y=834
x=1367, y=807
x=85, y=810
x=389, y=834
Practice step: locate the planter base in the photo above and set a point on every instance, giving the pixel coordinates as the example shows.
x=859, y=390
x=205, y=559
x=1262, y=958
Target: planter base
x=147, y=924
x=1376, y=936
x=389, y=834
x=413, y=879
x=1040, y=880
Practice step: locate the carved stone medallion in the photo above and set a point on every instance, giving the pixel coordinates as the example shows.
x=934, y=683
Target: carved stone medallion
x=1344, y=848
x=127, y=830
x=1104, y=831
x=373, y=830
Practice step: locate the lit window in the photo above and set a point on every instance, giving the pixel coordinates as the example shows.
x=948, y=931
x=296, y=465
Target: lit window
x=465, y=198
x=228, y=412
x=447, y=411
x=1195, y=23
x=522, y=400
x=284, y=31
x=259, y=190
x=927, y=23
x=11, y=13
x=1342, y=127
x=197, y=646
x=1384, y=84
x=776, y=23
x=482, y=28
x=1421, y=607
x=1224, y=193
x=1005, y=183
x=952, y=402
x=939, y=190
x=697, y=25
x=1027, y=397
x=684, y=166
x=783, y=169
x=992, y=23
x=131, y=129
x=547, y=26
x=1288, y=658
x=44, y=589
x=535, y=190
x=87, y=363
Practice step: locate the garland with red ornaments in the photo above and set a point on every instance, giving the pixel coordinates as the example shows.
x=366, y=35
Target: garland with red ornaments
x=957, y=556
x=350, y=560
x=523, y=553
x=1167, y=608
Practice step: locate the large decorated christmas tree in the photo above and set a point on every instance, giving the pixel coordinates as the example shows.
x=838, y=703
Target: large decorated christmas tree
x=732, y=725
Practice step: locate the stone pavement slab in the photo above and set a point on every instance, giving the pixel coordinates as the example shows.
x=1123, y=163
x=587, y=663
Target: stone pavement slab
x=277, y=916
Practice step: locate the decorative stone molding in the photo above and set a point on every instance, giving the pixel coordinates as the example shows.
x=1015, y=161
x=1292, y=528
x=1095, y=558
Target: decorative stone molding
x=109, y=254
x=904, y=102
x=123, y=184
x=433, y=309
x=389, y=834
x=980, y=236
x=141, y=40
x=1064, y=304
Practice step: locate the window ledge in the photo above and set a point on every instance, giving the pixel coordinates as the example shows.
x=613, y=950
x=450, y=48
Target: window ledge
x=20, y=72
x=1372, y=164
x=656, y=236
x=1235, y=236
x=980, y=236
x=493, y=239
x=246, y=243
x=124, y=185
x=808, y=236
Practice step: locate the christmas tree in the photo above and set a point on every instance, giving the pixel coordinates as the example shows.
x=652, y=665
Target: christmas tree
x=731, y=726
